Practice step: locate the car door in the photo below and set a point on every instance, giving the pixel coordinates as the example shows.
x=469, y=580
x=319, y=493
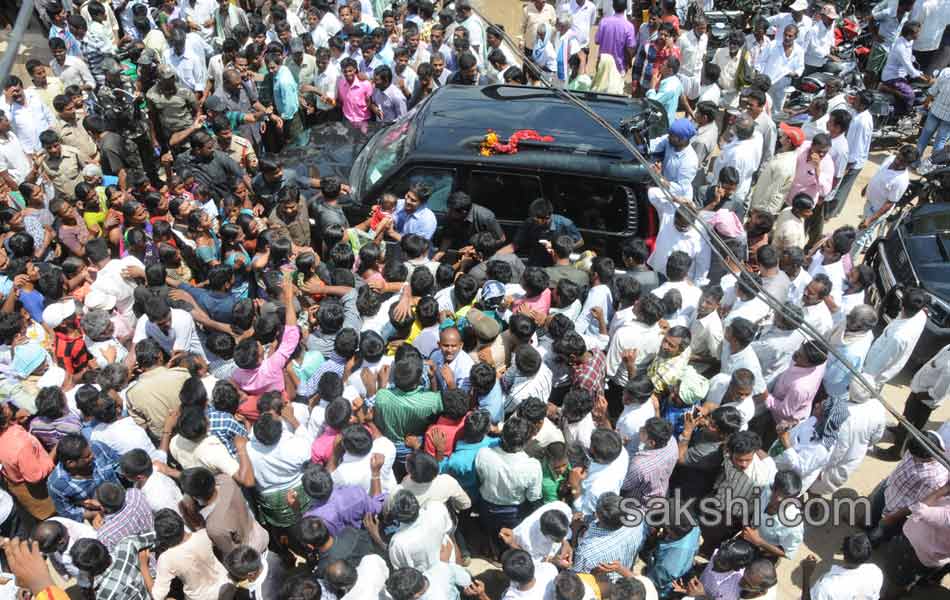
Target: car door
x=507, y=194
x=600, y=209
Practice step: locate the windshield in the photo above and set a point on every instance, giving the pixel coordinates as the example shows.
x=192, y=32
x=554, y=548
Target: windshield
x=382, y=155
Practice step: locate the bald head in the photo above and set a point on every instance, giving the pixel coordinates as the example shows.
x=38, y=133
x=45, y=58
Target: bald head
x=52, y=536
x=759, y=576
x=231, y=79
x=745, y=127
x=861, y=318
x=341, y=575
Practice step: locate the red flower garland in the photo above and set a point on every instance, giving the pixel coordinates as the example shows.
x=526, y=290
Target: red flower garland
x=492, y=145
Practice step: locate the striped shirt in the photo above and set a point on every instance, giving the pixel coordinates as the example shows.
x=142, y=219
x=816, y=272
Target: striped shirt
x=599, y=546
x=93, y=57
x=649, y=472
x=70, y=352
x=122, y=580
x=745, y=484
x=911, y=481
x=225, y=427
x=134, y=518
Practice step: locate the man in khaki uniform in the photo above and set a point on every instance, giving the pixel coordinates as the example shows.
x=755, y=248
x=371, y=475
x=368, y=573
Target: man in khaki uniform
x=71, y=131
x=238, y=148
x=61, y=164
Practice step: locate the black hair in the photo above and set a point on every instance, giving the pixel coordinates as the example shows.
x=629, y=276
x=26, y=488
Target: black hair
x=515, y=434
x=422, y=467
x=518, y=566
x=605, y=445
x=744, y=442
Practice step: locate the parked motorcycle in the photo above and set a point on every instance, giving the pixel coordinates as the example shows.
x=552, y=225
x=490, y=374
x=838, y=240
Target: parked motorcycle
x=891, y=129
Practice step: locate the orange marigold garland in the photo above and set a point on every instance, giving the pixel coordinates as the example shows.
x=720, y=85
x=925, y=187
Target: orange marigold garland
x=492, y=145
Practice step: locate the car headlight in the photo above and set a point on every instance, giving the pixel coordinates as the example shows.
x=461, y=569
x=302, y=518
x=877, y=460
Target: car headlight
x=939, y=312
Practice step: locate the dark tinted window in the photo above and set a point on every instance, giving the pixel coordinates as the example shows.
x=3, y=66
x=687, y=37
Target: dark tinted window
x=506, y=194
x=592, y=203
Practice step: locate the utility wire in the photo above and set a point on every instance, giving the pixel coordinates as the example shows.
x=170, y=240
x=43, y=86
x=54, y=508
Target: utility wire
x=16, y=37
x=724, y=252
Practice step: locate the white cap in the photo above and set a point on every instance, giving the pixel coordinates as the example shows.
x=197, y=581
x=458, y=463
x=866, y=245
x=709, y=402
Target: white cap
x=55, y=314
x=99, y=300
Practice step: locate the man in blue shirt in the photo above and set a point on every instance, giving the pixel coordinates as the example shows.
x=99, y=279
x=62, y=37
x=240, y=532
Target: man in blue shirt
x=670, y=89
x=81, y=468
x=413, y=215
x=217, y=300
x=286, y=97
x=679, y=160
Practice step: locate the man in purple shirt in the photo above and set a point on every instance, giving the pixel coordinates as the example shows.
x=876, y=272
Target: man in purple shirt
x=617, y=37
x=344, y=506
x=388, y=102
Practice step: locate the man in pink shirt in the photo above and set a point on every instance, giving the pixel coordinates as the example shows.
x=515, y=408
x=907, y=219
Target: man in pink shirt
x=814, y=170
x=339, y=414
x=814, y=175
x=257, y=374
x=924, y=547
x=354, y=94
x=794, y=390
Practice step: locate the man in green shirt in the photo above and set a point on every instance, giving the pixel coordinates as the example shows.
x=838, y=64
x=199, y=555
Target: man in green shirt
x=554, y=470
x=405, y=409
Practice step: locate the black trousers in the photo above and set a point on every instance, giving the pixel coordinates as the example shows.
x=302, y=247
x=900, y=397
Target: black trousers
x=916, y=412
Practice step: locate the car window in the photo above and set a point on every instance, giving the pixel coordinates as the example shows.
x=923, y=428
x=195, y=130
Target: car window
x=441, y=181
x=506, y=194
x=592, y=203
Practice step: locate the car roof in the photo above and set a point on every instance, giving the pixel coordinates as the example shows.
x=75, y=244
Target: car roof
x=456, y=119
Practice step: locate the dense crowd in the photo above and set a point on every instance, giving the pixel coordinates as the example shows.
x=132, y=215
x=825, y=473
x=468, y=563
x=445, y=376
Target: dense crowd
x=217, y=382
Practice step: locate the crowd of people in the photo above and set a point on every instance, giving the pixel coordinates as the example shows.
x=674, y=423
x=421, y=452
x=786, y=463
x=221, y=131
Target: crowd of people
x=218, y=383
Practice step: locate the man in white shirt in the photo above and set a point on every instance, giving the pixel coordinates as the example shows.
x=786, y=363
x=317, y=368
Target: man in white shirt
x=187, y=66
x=692, y=46
x=820, y=39
x=863, y=428
x=680, y=278
x=172, y=328
x=600, y=296
x=27, y=112
x=71, y=70
x=583, y=13
x=640, y=337
x=859, y=146
x=744, y=153
x=418, y=541
x=900, y=69
x=737, y=353
x=856, y=579
x=838, y=123
x=796, y=16
x=782, y=62
x=15, y=163
x=676, y=233
x=776, y=345
x=892, y=349
x=160, y=490
x=883, y=192
x=929, y=388
x=323, y=86
x=748, y=305
x=813, y=303
x=56, y=537
x=452, y=366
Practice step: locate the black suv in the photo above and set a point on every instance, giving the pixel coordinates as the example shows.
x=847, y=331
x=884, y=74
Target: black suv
x=915, y=251
x=586, y=173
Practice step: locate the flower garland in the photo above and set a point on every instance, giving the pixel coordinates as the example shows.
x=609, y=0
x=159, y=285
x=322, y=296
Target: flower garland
x=491, y=145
